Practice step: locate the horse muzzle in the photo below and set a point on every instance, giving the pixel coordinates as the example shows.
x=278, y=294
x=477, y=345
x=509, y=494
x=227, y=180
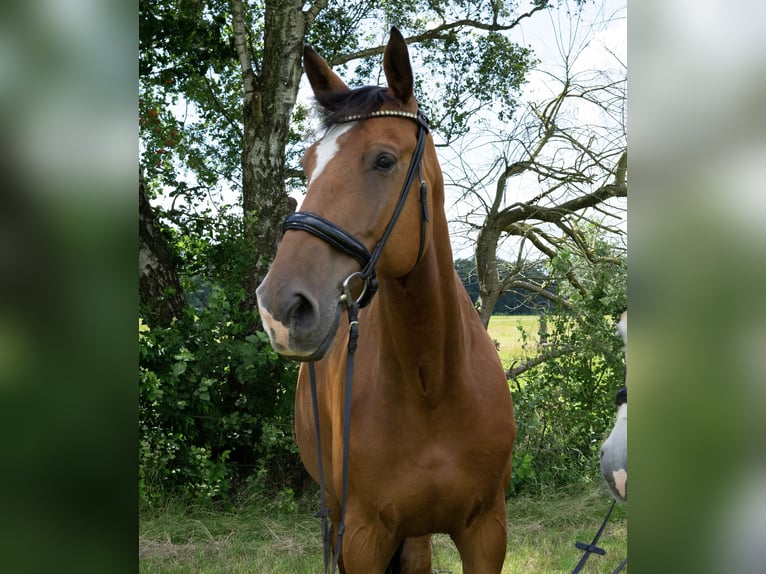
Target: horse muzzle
x=297, y=324
x=614, y=456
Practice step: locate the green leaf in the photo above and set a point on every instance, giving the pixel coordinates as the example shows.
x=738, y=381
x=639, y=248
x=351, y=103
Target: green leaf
x=179, y=368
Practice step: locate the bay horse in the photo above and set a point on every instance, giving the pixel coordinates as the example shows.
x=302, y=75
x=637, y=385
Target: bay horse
x=614, y=451
x=431, y=416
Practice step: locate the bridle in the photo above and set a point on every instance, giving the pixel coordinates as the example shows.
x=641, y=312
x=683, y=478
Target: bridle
x=346, y=243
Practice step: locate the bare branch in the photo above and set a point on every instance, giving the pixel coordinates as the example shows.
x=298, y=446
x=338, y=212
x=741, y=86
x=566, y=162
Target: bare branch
x=514, y=372
x=438, y=33
x=533, y=288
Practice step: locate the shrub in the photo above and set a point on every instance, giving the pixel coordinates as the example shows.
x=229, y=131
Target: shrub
x=565, y=406
x=215, y=403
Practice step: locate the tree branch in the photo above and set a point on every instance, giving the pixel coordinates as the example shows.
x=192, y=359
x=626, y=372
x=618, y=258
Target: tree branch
x=524, y=211
x=240, y=44
x=514, y=372
x=313, y=11
x=436, y=34
x=534, y=288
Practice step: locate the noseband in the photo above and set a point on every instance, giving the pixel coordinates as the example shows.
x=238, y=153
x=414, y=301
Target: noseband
x=332, y=234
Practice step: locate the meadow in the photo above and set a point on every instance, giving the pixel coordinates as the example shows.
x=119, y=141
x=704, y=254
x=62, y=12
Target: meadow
x=259, y=537
x=262, y=535
x=505, y=330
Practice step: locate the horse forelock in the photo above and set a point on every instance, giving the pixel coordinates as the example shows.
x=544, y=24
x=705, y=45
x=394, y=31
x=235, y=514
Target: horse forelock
x=334, y=106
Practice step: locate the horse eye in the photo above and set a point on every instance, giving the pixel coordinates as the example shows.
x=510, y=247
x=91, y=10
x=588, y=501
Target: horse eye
x=384, y=162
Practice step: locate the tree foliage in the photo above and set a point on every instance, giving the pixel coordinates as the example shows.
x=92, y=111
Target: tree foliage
x=565, y=404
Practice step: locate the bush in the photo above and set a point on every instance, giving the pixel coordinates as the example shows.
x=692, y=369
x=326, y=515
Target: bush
x=565, y=406
x=564, y=409
x=215, y=404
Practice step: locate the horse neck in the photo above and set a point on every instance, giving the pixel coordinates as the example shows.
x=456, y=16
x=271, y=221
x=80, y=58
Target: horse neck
x=422, y=315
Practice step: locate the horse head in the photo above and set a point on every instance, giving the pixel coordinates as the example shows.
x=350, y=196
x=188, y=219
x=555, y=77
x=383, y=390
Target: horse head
x=614, y=451
x=358, y=219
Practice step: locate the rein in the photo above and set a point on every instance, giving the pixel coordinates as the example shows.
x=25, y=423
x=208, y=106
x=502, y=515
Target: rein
x=346, y=243
x=323, y=511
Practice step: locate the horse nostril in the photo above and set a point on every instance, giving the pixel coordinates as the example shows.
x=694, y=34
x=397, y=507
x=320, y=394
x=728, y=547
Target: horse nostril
x=302, y=313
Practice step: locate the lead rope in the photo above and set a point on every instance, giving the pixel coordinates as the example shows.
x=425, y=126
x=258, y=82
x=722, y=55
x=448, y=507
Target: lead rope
x=324, y=512
x=592, y=548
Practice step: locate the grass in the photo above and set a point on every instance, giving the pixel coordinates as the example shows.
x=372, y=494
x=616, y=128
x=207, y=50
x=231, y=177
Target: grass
x=505, y=330
x=259, y=538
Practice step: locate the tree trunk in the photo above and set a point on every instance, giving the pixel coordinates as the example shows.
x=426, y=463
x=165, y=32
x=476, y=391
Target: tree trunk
x=158, y=284
x=490, y=288
x=269, y=99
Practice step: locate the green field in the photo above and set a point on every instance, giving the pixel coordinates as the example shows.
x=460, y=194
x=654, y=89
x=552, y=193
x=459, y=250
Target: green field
x=260, y=538
x=505, y=330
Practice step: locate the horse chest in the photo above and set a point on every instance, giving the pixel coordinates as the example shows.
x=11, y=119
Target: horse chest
x=428, y=452
x=426, y=482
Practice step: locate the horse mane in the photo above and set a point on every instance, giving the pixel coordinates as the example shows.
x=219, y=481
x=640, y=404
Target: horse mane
x=334, y=106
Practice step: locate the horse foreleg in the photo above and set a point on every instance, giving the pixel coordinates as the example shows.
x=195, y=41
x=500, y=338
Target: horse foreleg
x=367, y=547
x=482, y=544
x=415, y=557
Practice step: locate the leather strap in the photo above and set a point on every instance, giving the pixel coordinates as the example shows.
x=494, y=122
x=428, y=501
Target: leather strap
x=324, y=512
x=328, y=232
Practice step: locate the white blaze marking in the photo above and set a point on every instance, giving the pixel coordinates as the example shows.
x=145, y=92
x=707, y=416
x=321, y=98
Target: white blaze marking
x=622, y=415
x=618, y=438
x=278, y=333
x=328, y=147
x=622, y=327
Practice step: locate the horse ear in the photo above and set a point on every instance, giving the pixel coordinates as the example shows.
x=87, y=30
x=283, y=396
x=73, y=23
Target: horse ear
x=396, y=64
x=321, y=77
